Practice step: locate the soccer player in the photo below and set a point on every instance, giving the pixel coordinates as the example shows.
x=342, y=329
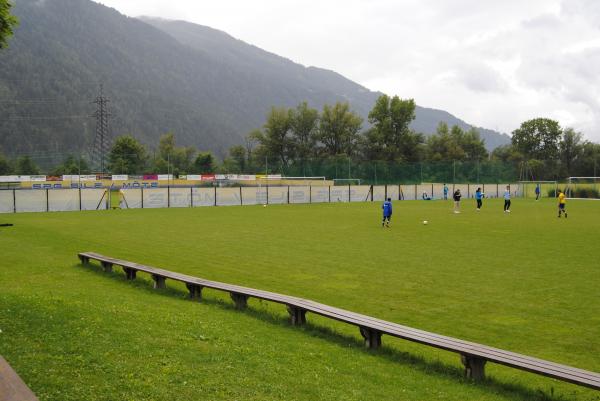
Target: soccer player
x=479, y=198
x=445, y=192
x=537, y=192
x=562, y=201
x=456, y=198
x=507, y=199
x=387, y=212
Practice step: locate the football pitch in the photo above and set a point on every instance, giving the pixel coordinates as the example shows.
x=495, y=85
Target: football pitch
x=527, y=282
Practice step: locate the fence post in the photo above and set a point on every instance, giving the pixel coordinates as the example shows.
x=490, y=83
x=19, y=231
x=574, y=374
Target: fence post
x=241, y=201
x=142, y=192
x=288, y=194
x=329, y=193
x=432, y=191
x=416, y=192
x=47, y=201
x=371, y=193
x=168, y=196
x=215, y=195
x=191, y=196
x=310, y=194
x=15, y=200
x=400, y=194
x=385, y=196
x=80, y=199
x=349, y=198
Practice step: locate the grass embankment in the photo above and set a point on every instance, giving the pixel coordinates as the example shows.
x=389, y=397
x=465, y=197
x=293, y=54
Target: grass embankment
x=527, y=282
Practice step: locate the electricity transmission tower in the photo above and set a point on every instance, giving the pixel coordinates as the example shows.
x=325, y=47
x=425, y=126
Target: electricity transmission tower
x=102, y=138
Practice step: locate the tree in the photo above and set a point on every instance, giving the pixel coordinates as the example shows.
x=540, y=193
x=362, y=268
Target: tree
x=304, y=124
x=506, y=153
x=391, y=136
x=173, y=159
x=538, y=139
x=26, y=166
x=275, y=142
x=237, y=159
x=5, y=167
x=338, y=130
x=455, y=144
x=204, y=163
x=127, y=156
x=571, y=149
x=7, y=22
x=71, y=165
x=474, y=146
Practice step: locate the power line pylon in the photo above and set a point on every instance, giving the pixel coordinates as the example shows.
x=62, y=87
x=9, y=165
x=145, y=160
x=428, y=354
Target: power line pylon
x=102, y=139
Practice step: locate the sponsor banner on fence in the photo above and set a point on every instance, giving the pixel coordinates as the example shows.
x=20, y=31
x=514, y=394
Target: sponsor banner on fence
x=9, y=178
x=193, y=177
x=164, y=177
x=208, y=177
x=37, y=178
x=120, y=177
x=246, y=177
x=268, y=177
x=87, y=178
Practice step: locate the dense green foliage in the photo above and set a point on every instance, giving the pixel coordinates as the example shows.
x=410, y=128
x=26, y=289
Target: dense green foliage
x=206, y=87
x=525, y=282
x=7, y=22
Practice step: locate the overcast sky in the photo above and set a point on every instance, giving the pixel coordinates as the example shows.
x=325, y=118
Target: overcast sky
x=493, y=63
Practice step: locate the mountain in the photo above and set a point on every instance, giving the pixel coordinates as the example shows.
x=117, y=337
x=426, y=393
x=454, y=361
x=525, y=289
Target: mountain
x=207, y=87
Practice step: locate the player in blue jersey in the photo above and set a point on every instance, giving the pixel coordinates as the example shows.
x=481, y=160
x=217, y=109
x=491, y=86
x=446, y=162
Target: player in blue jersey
x=387, y=212
x=479, y=198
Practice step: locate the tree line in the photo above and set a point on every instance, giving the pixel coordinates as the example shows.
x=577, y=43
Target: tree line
x=294, y=137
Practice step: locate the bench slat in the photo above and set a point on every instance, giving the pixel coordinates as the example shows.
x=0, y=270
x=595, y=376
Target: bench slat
x=12, y=388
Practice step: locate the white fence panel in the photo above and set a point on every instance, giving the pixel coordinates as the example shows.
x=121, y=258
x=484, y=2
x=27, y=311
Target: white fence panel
x=31, y=200
x=131, y=198
x=393, y=192
x=319, y=194
x=155, y=198
x=339, y=194
x=180, y=197
x=278, y=195
x=300, y=194
x=408, y=192
x=7, y=204
x=203, y=197
x=438, y=191
x=423, y=190
x=94, y=199
x=228, y=197
x=254, y=195
x=463, y=190
x=360, y=193
x=379, y=193
x=63, y=200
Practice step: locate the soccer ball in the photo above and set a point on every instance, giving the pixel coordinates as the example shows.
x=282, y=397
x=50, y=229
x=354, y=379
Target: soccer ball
x=265, y=205
x=425, y=222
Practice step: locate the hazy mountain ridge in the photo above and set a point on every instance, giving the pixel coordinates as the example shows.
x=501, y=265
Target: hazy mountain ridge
x=207, y=87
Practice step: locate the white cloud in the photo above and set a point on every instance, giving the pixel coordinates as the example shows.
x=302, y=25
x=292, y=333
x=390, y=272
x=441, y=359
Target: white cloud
x=493, y=64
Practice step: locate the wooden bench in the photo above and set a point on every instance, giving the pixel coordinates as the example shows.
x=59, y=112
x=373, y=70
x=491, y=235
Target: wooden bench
x=12, y=388
x=473, y=356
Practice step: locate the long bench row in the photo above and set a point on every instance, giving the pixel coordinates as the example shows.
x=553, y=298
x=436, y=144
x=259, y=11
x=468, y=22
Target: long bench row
x=473, y=356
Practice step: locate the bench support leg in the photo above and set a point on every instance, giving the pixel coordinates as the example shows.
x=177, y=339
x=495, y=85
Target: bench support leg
x=297, y=315
x=372, y=337
x=240, y=300
x=195, y=291
x=107, y=267
x=159, y=282
x=474, y=367
x=84, y=260
x=130, y=273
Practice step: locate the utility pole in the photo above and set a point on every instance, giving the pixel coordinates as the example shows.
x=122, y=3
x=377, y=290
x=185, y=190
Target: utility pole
x=102, y=138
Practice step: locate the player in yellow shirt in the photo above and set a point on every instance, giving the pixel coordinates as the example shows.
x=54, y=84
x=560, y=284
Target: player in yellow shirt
x=562, y=200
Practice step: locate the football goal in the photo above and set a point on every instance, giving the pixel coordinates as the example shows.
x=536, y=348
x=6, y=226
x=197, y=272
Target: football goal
x=583, y=188
x=538, y=189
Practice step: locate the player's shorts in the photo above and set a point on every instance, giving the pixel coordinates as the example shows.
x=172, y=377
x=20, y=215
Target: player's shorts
x=387, y=217
x=561, y=205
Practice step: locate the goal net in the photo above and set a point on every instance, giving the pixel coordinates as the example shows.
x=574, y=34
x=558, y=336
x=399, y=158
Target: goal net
x=538, y=189
x=583, y=188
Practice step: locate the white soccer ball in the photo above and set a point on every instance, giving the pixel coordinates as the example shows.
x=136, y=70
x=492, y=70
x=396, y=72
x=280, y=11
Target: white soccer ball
x=265, y=205
x=425, y=222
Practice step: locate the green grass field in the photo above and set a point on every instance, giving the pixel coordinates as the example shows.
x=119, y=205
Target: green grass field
x=526, y=282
